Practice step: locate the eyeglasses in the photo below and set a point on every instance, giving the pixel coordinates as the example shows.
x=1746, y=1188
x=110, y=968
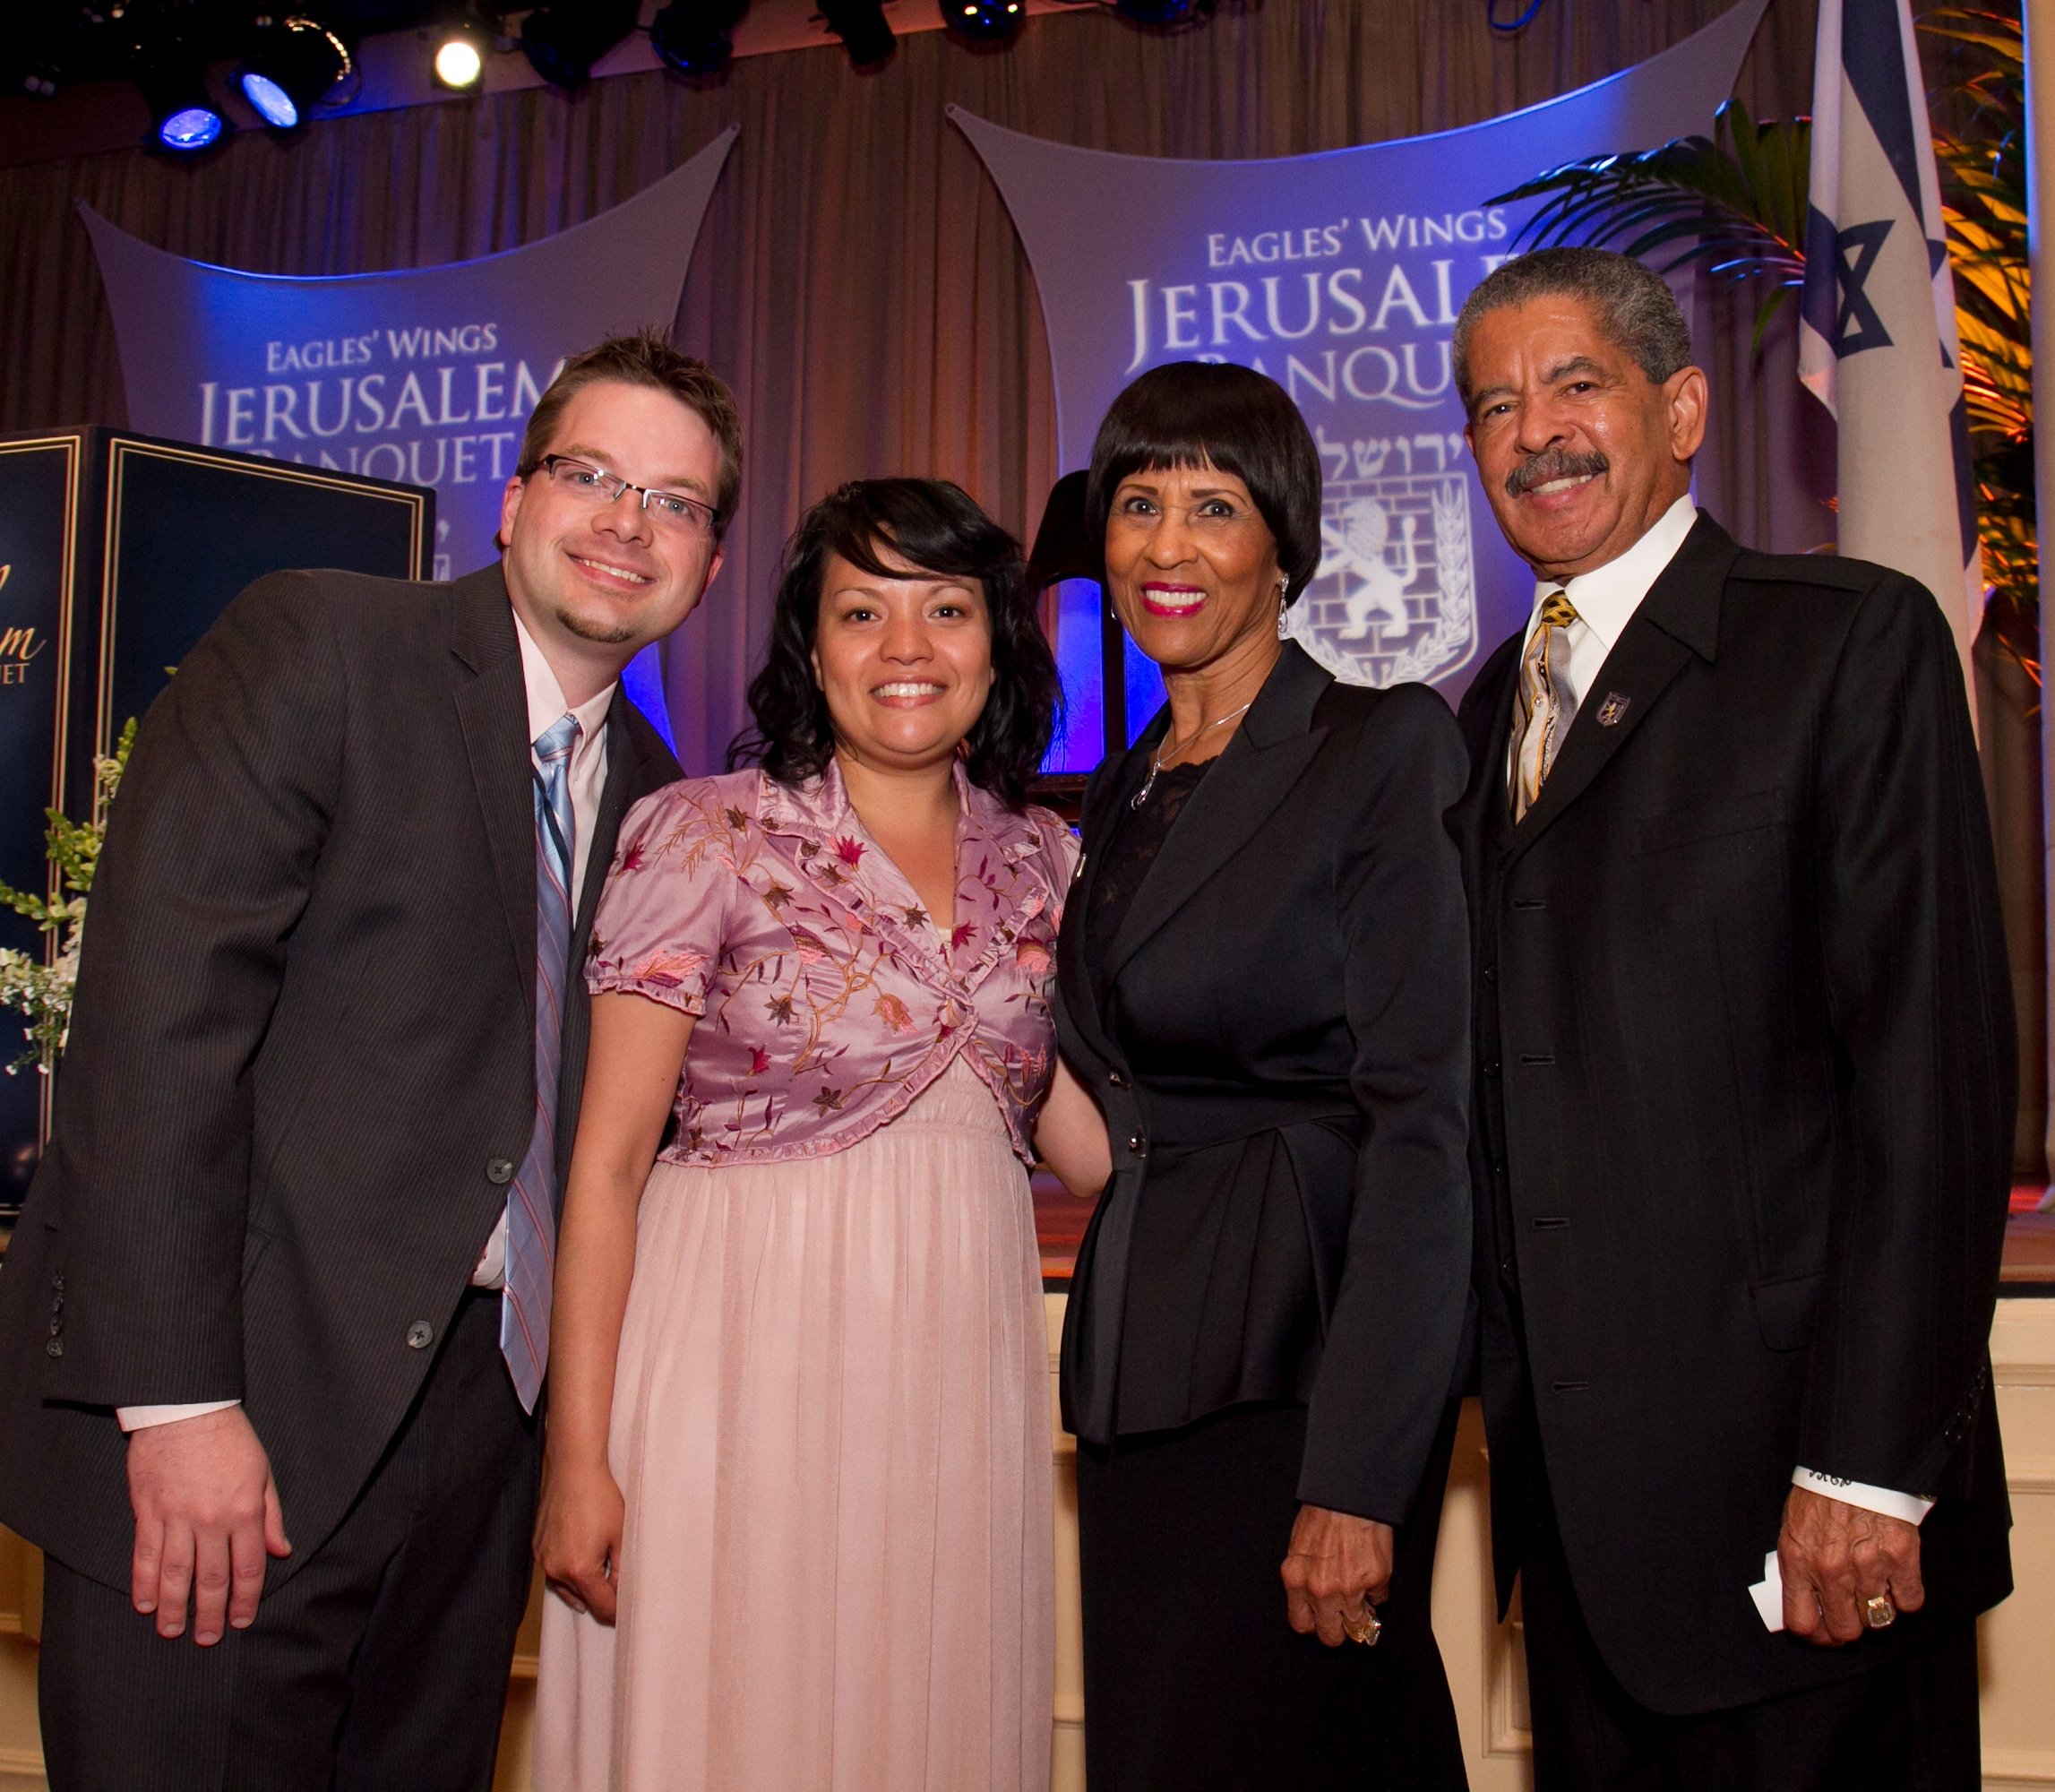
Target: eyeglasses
x=595, y=484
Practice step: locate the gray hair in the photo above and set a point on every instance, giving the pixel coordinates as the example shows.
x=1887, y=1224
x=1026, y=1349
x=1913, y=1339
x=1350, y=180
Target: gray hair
x=1634, y=306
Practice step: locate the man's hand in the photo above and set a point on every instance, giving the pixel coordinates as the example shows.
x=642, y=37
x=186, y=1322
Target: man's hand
x=1836, y=1557
x=206, y=1516
x=1337, y=1566
x=578, y=1527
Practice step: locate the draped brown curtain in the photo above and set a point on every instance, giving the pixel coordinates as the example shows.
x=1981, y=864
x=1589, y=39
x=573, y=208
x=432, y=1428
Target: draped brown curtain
x=859, y=282
x=857, y=278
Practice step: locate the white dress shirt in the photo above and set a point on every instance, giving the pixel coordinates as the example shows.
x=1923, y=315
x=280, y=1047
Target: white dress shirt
x=545, y=709
x=587, y=773
x=1606, y=599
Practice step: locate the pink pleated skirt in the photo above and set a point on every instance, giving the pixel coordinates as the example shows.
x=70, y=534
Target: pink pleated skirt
x=831, y=1429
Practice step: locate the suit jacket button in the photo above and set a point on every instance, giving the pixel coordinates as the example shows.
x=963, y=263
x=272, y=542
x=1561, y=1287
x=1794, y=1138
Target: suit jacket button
x=420, y=1335
x=1491, y=973
x=1117, y=1078
x=1490, y=1066
x=1139, y=1145
x=500, y=1170
x=57, y=1282
x=55, y=1347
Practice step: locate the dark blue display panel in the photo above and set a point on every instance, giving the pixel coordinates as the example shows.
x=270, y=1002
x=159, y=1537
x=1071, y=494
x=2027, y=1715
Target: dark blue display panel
x=120, y=552
x=38, y=498
x=189, y=529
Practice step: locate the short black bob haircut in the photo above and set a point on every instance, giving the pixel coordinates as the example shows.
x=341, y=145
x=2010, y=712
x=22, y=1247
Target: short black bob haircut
x=937, y=527
x=1202, y=413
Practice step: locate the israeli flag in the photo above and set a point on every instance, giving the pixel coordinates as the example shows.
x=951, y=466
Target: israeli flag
x=1877, y=340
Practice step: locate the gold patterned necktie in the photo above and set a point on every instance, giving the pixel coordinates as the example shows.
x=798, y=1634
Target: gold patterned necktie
x=1545, y=703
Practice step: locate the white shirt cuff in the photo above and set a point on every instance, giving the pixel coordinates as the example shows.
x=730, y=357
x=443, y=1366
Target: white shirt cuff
x=142, y=1417
x=1887, y=1501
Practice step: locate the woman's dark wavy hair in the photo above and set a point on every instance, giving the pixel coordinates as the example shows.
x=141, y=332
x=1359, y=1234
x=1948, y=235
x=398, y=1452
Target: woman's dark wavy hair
x=1203, y=413
x=937, y=527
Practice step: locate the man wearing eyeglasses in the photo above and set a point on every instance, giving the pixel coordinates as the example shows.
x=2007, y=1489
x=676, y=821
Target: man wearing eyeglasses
x=274, y=1324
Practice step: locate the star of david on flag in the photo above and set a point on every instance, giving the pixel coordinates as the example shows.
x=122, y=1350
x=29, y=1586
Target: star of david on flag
x=1877, y=336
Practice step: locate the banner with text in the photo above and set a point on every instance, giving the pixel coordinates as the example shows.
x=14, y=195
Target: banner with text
x=1339, y=275
x=425, y=375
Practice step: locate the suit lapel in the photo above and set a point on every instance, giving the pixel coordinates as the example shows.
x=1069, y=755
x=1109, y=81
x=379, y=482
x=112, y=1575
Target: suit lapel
x=1677, y=621
x=1486, y=815
x=492, y=709
x=1261, y=763
x=1111, y=785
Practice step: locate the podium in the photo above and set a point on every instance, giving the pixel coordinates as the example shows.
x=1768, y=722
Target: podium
x=117, y=553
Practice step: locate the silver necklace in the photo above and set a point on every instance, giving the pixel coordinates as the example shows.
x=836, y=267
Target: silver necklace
x=1157, y=758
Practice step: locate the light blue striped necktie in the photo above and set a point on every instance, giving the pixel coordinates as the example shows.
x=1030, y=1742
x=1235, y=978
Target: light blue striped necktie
x=531, y=1207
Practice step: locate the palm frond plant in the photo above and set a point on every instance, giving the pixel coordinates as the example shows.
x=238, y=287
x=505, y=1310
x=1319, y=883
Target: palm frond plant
x=1733, y=205
x=1984, y=182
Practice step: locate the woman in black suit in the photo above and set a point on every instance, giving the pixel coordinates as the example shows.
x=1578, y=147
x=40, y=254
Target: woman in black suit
x=1264, y=979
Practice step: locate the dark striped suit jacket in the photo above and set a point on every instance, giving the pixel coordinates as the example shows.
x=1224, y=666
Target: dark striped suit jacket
x=302, y=1061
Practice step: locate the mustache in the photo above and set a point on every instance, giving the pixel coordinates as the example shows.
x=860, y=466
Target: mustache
x=1553, y=463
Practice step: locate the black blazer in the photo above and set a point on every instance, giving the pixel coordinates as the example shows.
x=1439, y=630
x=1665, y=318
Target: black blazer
x=303, y=1056
x=1745, y=1089
x=1282, y=1061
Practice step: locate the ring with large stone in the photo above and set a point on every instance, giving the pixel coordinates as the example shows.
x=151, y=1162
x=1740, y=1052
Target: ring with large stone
x=1879, y=1613
x=1365, y=1629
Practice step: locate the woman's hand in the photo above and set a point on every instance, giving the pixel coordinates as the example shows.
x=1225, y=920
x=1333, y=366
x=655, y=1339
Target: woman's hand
x=630, y=1075
x=1070, y=1135
x=1337, y=1567
x=578, y=1530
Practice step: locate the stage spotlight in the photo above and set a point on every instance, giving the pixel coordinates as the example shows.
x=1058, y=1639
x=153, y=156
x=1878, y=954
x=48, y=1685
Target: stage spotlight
x=173, y=77
x=565, y=38
x=292, y=64
x=460, y=64
x=862, y=28
x=696, y=37
x=982, y=21
x=36, y=48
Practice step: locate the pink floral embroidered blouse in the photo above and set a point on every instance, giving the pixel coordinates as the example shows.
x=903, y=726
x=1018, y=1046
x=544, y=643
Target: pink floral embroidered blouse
x=826, y=997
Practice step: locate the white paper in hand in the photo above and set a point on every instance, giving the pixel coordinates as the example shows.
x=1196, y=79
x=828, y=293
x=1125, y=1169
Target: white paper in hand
x=1768, y=1593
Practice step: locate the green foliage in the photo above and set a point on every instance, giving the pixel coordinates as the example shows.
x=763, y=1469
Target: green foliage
x=1732, y=203
x=1984, y=183
x=42, y=991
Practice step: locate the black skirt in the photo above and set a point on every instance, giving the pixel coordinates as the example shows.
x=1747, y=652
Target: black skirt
x=1194, y=1679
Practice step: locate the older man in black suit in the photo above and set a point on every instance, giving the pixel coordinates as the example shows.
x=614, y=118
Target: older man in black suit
x=1744, y=1098
x=275, y=1319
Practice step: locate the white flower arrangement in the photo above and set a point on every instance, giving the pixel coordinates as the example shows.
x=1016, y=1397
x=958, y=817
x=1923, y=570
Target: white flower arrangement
x=43, y=991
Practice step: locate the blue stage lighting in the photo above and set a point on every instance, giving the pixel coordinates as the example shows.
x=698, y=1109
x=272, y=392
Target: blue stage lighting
x=173, y=77
x=289, y=68
x=269, y=101
x=190, y=127
x=982, y=21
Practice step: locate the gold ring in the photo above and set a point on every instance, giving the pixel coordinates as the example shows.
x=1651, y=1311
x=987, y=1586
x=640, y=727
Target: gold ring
x=1879, y=1613
x=1365, y=1629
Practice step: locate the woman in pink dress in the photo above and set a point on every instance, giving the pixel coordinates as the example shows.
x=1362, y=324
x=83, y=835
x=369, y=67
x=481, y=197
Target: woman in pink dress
x=797, y=1499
